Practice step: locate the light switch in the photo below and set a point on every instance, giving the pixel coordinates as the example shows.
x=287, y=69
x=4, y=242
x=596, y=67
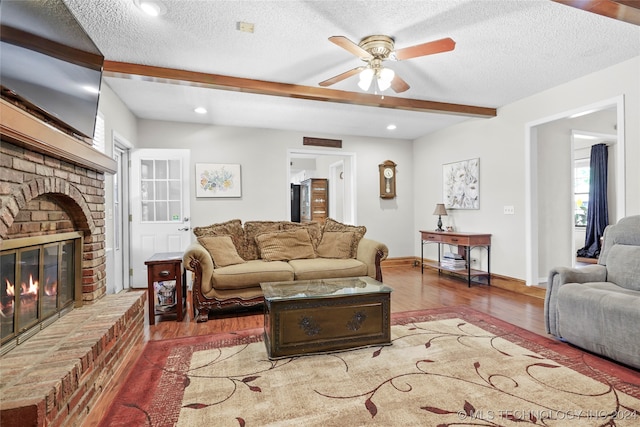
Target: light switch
x=509, y=210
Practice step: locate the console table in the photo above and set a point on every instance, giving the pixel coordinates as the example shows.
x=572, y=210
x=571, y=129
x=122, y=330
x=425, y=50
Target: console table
x=465, y=242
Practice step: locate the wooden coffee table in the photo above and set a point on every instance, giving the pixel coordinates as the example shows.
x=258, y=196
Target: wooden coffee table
x=315, y=316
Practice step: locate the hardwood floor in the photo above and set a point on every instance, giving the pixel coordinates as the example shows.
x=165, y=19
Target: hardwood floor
x=411, y=291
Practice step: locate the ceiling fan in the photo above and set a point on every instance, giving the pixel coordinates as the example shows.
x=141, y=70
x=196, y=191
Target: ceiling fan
x=378, y=48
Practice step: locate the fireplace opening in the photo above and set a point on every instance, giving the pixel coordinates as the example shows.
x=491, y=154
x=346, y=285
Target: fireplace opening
x=38, y=277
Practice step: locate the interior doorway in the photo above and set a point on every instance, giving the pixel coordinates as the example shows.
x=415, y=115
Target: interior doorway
x=549, y=148
x=118, y=218
x=338, y=167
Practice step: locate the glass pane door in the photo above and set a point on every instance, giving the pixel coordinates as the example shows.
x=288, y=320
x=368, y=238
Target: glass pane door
x=161, y=190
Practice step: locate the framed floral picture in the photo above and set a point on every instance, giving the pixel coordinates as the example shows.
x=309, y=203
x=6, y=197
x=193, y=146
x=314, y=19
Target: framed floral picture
x=218, y=180
x=461, y=184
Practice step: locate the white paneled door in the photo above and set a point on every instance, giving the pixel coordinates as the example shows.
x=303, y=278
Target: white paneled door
x=159, y=206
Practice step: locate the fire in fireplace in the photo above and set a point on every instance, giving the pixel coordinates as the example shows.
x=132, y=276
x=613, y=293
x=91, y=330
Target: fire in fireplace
x=38, y=277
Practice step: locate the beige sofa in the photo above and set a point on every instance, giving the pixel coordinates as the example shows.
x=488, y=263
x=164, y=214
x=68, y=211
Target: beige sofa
x=229, y=260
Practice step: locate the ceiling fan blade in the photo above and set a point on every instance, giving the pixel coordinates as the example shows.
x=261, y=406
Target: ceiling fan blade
x=340, y=77
x=429, y=48
x=350, y=46
x=398, y=84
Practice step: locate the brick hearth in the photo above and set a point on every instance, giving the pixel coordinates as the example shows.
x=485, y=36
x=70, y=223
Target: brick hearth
x=55, y=377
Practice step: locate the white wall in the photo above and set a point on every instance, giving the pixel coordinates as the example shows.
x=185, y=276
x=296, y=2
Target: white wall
x=500, y=144
x=555, y=195
x=262, y=154
x=117, y=118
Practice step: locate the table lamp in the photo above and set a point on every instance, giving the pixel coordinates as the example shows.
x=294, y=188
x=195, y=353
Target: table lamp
x=440, y=210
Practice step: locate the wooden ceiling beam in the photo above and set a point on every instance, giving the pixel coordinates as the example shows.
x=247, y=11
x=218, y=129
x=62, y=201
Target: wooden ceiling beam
x=215, y=81
x=622, y=10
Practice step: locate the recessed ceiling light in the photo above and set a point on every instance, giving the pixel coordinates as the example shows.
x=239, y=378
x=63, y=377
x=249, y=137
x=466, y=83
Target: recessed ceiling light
x=200, y=110
x=151, y=7
x=391, y=127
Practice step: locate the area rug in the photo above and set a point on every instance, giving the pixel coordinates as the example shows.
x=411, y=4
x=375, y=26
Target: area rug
x=445, y=367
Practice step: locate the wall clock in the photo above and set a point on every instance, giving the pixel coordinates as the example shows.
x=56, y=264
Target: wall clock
x=387, y=172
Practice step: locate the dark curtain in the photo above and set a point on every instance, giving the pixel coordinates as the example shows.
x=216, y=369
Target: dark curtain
x=597, y=216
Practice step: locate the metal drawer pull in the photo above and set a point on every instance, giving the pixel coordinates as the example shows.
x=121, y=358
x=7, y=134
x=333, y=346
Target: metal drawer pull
x=164, y=273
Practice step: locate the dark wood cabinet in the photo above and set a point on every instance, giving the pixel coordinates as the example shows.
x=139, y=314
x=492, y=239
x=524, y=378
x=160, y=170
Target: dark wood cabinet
x=162, y=267
x=314, y=200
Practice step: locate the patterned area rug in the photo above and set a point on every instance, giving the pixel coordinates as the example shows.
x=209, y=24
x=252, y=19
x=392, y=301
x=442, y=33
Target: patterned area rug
x=446, y=367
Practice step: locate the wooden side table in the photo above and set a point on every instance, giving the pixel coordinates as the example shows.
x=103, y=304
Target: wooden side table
x=162, y=267
x=465, y=242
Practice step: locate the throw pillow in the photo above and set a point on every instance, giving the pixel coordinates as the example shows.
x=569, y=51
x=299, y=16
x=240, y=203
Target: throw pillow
x=314, y=229
x=222, y=250
x=336, y=244
x=231, y=228
x=359, y=231
x=251, y=230
x=285, y=245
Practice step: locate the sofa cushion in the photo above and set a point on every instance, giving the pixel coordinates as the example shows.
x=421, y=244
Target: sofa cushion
x=325, y=268
x=251, y=230
x=251, y=273
x=601, y=317
x=231, y=228
x=285, y=245
x=336, y=244
x=623, y=266
x=222, y=250
x=359, y=231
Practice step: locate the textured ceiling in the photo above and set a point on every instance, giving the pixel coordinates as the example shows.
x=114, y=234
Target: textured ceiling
x=505, y=50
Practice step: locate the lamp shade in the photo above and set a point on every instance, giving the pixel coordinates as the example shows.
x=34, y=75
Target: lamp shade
x=366, y=76
x=440, y=209
x=385, y=78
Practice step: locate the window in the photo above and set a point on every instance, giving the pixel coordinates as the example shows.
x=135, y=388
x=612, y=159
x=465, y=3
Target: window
x=99, y=142
x=581, y=192
x=161, y=190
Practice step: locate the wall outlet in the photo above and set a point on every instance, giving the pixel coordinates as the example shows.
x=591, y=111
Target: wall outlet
x=246, y=27
x=509, y=210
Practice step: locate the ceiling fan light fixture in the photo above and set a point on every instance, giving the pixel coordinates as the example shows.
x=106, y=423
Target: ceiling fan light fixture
x=378, y=48
x=366, y=76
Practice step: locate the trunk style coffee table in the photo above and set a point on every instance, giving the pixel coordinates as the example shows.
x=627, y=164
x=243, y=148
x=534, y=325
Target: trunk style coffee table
x=315, y=316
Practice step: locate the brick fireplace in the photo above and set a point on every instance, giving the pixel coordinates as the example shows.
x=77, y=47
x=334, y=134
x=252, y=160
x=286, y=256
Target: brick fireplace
x=43, y=196
x=52, y=201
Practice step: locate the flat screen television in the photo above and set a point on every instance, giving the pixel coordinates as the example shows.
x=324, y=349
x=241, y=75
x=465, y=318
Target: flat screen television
x=48, y=62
